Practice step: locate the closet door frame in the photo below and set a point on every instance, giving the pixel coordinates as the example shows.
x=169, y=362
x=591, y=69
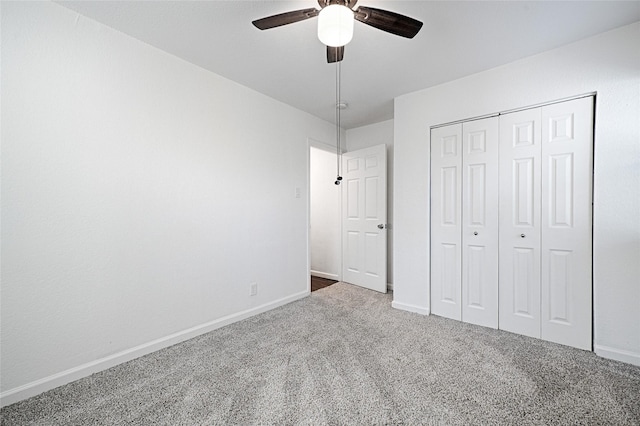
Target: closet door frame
x=556, y=319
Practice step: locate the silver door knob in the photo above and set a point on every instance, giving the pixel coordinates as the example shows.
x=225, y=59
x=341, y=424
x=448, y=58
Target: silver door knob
x=475, y=232
x=381, y=226
x=522, y=235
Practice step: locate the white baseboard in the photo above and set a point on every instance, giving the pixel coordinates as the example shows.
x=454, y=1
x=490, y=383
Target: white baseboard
x=617, y=354
x=411, y=308
x=37, y=387
x=325, y=275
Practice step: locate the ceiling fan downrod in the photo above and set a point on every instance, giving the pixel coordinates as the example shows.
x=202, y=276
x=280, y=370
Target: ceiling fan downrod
x=349, y=3
x=338, y=108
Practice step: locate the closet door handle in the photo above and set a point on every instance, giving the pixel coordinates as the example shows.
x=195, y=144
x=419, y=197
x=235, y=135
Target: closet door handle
x=475, y=232
x=522, y=235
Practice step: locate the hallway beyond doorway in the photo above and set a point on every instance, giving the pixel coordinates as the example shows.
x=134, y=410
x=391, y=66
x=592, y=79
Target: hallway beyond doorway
x=317, y=283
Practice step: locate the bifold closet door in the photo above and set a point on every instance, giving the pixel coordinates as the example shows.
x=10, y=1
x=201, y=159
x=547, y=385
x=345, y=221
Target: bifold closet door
x=520, y=231
x=567, y=165
x=464, y=222
x=480, y=222
x=446, y=181
x=546, y=163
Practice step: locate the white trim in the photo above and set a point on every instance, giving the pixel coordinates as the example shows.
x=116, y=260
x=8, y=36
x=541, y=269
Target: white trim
x=494, y=114
x=326, y=275
x=307, y=233
x=617, y=354
x=557, y=101
x=324, y=146
x=479, y=117
x=42, y=385
x=410, y=308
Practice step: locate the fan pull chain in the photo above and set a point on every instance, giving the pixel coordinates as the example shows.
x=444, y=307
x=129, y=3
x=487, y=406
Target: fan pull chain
x=338, y=144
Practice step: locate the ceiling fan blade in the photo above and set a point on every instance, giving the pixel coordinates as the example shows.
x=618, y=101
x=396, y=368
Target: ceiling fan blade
x=285, y=18
x=390, y=22
x=335, y=54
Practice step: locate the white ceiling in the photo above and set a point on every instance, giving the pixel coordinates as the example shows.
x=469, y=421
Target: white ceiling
x=288, y=63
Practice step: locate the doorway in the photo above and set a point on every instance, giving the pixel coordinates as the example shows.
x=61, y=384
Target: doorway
x=318, y=283
x=325, y=253
x=348, y=222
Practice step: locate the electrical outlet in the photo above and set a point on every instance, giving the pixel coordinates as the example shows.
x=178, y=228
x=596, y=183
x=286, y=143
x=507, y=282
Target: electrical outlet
x=253, y=289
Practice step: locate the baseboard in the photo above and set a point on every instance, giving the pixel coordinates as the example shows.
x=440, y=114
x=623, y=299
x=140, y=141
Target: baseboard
x=37, y=387
x=617, y=354
x=325, y=275
x=411, y=308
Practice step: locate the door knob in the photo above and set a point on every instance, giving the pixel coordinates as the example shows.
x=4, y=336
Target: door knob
x=475, y=232
x=381, y=226
x=522, y=235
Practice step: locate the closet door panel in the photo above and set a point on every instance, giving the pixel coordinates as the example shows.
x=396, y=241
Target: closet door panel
x=567, y=164
x=446, y=183
x=519, y=241
x=480, y=222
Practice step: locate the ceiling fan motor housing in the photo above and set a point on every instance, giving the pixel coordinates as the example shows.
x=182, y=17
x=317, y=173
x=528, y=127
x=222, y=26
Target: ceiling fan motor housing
x=349, y=3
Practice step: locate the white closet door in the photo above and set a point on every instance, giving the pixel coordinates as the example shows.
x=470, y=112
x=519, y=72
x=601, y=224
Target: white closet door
x=446, y=165
x=480, y=222
x=519, y=271
x=567, y=140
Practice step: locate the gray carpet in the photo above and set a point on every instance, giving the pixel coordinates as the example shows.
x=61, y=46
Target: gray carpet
x=343, y=356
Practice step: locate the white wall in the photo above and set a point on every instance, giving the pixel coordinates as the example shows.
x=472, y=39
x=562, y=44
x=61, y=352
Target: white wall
x=372, y=135
x=141, y=195
x=325, y=195
x=609, y=64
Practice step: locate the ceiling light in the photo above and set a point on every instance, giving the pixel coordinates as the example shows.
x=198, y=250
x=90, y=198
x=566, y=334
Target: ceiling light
x=335, y=25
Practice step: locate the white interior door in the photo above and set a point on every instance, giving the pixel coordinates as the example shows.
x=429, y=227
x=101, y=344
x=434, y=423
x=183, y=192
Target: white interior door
x=446, y=200
x=480, y=222
x=567, y=141
x=365, y=217
x=520, y=228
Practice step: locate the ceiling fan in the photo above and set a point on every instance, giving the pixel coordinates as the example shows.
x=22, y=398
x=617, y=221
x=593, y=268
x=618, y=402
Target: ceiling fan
x=335, y=23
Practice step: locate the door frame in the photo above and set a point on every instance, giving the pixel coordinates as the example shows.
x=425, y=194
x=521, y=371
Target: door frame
x=311, y=142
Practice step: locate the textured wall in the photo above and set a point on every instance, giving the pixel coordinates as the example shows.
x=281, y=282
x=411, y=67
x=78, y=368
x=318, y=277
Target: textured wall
x=141, y=195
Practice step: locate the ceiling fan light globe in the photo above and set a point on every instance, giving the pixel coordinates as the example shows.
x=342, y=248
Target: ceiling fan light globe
x=335, y=25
